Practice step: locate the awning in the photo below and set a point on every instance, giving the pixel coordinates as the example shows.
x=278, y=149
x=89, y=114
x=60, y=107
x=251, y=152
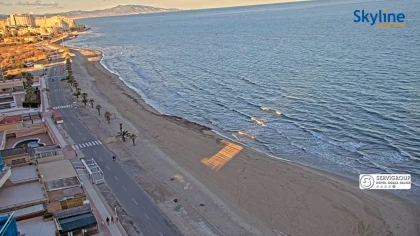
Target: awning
x=73, y=223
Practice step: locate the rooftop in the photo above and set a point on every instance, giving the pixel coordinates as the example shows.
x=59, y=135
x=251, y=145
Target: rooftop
x=13, y=152
x=66, y=183
x=29, y=210
x=11, y=119
x=43, y=149
x=72, y=212
x=57, y=170
x=18, y=195
x=76, y=222
x=36, y=227
x=22, y=173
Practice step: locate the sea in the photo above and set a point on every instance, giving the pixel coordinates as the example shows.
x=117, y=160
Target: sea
x=297, y=81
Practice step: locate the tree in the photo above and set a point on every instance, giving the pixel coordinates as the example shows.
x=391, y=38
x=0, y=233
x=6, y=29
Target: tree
x=30, y=95
x=91, y=102
x=75, y=84
x=133, y=137
x=85, y=96
x=84, y=101
x=29, y=80
x=77, y=94
x=98, y=107
x=123, y=135
x=108, y=116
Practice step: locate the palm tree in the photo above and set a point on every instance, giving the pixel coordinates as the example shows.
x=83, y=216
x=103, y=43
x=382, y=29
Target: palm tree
x=84, y=101
x=123, y=135
x=91, y=102
x=98, y=107
x=108, y=116
x=75, y=84
x=77, y=94
x=133, y=137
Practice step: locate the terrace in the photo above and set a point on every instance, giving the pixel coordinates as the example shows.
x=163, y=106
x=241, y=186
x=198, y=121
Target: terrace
x=17, y=196
x=36, y=227
x=43, y=139
x=23, y=174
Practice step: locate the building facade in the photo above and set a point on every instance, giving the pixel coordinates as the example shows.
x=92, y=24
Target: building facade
x=21, y=20
x=54, y=22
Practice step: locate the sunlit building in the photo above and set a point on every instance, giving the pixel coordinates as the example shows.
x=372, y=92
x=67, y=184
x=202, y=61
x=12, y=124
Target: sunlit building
x=55, y=22
x=21, y=20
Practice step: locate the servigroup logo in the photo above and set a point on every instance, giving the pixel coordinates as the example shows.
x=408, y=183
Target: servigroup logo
x=381, y=19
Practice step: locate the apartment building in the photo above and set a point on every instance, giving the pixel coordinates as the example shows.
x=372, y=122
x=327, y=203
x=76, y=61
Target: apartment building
x=11, y=93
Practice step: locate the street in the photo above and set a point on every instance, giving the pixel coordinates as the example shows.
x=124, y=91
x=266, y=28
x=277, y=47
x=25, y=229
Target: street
x=136, y=202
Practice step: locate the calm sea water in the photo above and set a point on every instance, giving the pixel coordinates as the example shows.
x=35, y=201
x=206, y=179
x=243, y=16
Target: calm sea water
x=298, y=81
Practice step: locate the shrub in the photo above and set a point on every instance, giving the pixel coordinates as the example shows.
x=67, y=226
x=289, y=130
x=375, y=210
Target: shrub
x=48, y=215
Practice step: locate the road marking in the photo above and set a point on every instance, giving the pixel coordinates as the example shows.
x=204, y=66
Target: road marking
x=82, y=145
x=116, y=177
x=80, y=133
x=147, y=216
x=108, y=168
x=95, y=152
x=73, y=147
x=124, y=188
x=134, y=201
x=160, y=234
x=99, y=142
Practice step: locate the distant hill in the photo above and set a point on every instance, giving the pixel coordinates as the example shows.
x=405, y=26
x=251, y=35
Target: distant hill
x=119, y=10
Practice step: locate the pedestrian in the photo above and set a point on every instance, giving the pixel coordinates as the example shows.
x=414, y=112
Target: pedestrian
x=112, y=219
x=107, y=220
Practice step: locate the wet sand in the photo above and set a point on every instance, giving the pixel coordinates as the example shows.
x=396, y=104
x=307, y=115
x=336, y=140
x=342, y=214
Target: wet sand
x=264, y=195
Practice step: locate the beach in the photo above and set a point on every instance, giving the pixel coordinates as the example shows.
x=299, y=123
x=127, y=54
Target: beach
x=242, y=191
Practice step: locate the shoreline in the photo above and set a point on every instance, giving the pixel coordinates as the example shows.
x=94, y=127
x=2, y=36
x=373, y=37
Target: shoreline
x=349, y=185
x=201, y=127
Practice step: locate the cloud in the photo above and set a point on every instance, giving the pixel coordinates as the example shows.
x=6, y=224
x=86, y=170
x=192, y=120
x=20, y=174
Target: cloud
x=38, y=4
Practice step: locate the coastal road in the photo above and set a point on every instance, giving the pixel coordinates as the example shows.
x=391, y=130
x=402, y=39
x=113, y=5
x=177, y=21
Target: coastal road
x=136, y=202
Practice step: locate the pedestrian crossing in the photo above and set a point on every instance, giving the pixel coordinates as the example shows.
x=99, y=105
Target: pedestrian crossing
x=64, y=106
x=85, y=145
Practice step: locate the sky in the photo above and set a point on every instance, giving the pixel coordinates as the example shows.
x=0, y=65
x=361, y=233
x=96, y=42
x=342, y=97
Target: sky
x=45, y=6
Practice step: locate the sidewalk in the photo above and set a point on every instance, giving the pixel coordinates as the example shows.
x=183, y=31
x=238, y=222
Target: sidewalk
x=95, y=200
x=44, y=96
x=100, y=207
x=55, y=131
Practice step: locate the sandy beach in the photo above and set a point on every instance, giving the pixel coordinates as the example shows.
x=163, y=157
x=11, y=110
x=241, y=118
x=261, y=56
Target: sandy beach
x=242, y=192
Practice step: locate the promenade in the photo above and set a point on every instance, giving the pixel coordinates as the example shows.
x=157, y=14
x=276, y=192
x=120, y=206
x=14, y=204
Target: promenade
x=136, y=202
x=99, y=209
